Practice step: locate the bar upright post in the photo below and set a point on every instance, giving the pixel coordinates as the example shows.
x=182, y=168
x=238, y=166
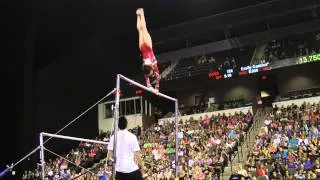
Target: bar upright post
x=115, y=126
x=42, y=156
x=176, y=120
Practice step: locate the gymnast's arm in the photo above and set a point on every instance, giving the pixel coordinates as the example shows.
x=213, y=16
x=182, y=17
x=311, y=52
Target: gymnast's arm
x=147, y=81
x=157, y=76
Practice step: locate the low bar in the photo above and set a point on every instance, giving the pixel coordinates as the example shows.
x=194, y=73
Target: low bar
x=73, y=138
x=6, y=171
x=146, y=88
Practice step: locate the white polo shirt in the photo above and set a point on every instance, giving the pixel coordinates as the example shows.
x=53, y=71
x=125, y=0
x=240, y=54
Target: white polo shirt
x=127, y=144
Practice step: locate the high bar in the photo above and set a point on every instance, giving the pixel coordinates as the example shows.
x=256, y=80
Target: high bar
x=73, y=138
x=146, y=88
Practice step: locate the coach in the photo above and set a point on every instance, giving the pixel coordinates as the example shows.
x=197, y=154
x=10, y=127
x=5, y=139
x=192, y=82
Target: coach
x=128, y=157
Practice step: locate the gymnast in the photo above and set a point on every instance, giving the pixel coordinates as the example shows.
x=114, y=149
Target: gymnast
x=150, y=65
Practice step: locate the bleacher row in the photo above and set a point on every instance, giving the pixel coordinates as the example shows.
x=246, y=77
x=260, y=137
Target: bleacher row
x=208, y=142
x=157, y=138
x=288, y=47
x=287, y=146
x=216, y=61
x=294, y=46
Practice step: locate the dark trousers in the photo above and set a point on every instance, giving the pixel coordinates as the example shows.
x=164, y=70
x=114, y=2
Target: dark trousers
x=135, y=175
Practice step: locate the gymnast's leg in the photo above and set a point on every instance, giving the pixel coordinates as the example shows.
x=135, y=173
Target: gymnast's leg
x=145, y=45
x=144, y=36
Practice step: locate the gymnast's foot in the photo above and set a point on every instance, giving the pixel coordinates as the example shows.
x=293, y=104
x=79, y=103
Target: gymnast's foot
x=139, y=11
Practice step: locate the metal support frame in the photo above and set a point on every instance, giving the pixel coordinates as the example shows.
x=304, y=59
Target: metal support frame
x=115, y=126
x=42, y=156
x=42, y=148
x=116, y=118
x=177, y=140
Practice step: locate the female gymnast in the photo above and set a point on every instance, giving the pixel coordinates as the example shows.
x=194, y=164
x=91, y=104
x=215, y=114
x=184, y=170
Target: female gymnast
x=150, y=65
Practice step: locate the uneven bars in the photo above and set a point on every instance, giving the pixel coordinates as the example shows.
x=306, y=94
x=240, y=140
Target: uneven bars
x=164, y=96
x=38, y=147
x=73, y=138
x=146, y=88
x=5, y=171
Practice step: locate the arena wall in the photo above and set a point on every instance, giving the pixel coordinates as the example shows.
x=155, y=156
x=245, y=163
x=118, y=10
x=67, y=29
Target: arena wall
x=197, y=116
x=297, y=102
x=225, y=90
x=298, y=78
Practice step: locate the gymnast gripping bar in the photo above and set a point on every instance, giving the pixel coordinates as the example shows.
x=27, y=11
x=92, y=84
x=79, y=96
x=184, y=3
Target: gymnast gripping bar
x=146, y=88
x=73, y=138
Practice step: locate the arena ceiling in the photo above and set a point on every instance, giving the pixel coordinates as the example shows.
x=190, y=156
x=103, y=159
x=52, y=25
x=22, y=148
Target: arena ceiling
x=60, y=27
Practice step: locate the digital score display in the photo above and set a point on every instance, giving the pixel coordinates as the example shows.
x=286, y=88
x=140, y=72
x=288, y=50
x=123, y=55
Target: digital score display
x=245, y=70
x=217, y=75
x=309, y=58
x=254, y=69
x=262, y=67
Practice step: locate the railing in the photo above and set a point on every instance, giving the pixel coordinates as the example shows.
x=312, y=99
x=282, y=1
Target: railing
x=245, y=139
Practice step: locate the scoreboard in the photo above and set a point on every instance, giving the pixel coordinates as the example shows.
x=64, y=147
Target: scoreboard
x=216, y=74
x=243, y=70
x=309, y=58
x=254, y=68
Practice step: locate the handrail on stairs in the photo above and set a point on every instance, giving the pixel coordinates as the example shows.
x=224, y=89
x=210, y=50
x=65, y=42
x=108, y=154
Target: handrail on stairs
x=259, y=115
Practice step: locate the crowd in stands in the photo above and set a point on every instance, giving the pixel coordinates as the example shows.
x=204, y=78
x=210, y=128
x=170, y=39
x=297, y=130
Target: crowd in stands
x=287, y=146
x=187, y=110
x=297, y=46
x=298, y=94
x=227, y=64
x=203, y=107
x=205, y=60
x=205, y=146
x=85, y=155
x=235, y=103
x=164, y=65
x=306, y=44
x=220, y=61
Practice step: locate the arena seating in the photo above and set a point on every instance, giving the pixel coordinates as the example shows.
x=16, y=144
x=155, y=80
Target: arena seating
x=158, y=138
x=201, y=65
x=201, y=108
x=85, y=155
x=289, y=47
x=287, y=146
x=298, y=94
x=207, y=145
x=163, y=66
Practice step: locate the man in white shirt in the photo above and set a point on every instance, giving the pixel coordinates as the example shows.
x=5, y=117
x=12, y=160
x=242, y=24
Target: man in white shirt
x=128, y=157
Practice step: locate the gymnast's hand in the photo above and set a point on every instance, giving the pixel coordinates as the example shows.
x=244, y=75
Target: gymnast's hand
x=157, y=89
